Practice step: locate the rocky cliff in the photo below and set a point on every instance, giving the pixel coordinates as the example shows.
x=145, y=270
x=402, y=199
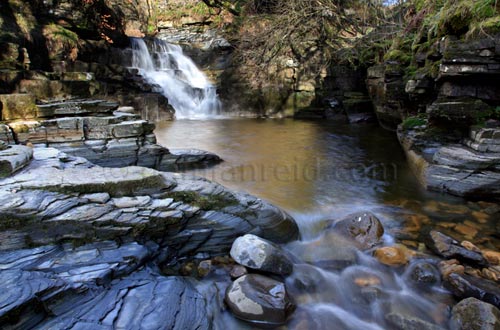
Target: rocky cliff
x=439, y=83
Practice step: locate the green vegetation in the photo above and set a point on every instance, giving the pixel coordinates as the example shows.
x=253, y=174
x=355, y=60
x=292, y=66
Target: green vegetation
x=414, y=121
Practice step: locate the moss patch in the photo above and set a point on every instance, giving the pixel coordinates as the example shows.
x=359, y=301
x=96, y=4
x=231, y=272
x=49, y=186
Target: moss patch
x=414, y=121
x=206, y=203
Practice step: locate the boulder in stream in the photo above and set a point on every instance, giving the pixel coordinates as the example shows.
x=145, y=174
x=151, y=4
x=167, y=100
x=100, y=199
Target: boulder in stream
x=259, y=299
x=474, y=314
x=364, y=228
x=257, y=253
x=423, y=274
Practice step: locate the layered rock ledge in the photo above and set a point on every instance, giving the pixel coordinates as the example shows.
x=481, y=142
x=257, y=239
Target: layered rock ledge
x=98, y=130
x=469, y=169
x=76, y=234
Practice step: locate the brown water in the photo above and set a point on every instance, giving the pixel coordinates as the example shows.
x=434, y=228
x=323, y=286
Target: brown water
x=300, y=165
x=320, y=170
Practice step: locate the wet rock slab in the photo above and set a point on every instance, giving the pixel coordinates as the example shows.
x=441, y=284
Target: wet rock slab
x=122, y=224
x=259, y=299
x=450, y=248
x=465, y=286
x=65, y=194
x=470, y=169
x=42, y=286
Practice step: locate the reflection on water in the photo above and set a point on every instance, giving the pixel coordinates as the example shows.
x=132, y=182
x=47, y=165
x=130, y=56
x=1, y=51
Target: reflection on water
x=319, y=171
x=299, y=165
x=312, y=169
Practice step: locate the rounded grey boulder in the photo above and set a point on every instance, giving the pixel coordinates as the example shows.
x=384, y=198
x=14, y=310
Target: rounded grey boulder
x=257, y=253
x=474, y=314
x=259, y=299
x=364, y=228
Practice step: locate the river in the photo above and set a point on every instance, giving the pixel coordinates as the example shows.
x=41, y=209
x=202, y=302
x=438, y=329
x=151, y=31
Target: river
x=320, y=170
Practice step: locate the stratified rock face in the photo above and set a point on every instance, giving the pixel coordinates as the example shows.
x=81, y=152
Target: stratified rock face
x=257, y=253
x=17, y=106
x=387, y=90
x=473, y=314
x=450, y=248
x=155, y=216
x=363, y=227
x=41, y=288
x=58, y=197
x=99, y=132
x=471, y=169
x=259, y=299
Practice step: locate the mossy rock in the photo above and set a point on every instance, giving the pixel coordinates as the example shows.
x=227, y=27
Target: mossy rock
x=465, y=111
x=204, y=202
x=17, y=106
x=413, y=121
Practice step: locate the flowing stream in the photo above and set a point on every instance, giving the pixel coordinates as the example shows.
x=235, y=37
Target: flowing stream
x=319, y=171
x=175, y=75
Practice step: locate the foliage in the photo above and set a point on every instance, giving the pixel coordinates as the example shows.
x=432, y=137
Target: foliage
x=457, y=17
x=307, y=34
x=414, y=121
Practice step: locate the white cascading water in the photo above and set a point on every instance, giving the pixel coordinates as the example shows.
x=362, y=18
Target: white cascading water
x=185, y=86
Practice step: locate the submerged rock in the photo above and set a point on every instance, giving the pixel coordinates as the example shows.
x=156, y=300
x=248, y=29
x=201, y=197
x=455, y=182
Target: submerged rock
x=190, y=158
x=259, y=299
x=257, y=253
x=465, y=286
x=364, y=228
x=423, y=274
x=473, y=314
x=447, y=247
x=331, y=251
x=392, y=255
x=406, y=322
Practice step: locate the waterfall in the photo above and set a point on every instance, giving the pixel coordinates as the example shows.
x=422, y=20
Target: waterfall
x=176, y=76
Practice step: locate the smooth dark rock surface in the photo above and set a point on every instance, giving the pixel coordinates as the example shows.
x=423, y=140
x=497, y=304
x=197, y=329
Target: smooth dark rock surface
x=257, y=253
x=465, y=286
x=447, y=247
x=259, y=299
